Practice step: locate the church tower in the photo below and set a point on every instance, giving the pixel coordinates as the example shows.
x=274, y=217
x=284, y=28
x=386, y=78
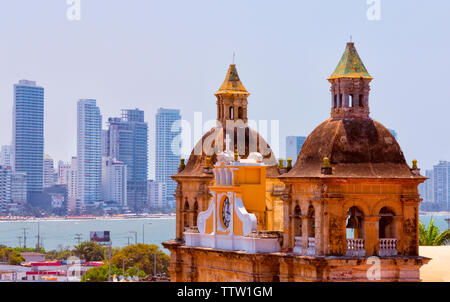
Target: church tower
x=232, y=98
x=350, y=86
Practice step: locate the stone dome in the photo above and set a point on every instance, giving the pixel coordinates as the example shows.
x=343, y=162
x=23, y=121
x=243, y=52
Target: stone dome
x=355, y=148
x=254, y=142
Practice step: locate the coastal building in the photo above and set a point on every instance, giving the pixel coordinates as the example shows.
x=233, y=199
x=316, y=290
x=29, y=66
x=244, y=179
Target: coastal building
x=89, y=154
x=74, y=204
x=167, y=159
x=5, y=155
x=127, y=141
x=350, y=195
x=63, y=172
x=157, y=194
x=293, y=146
x=114, y=182
x=57, y=197
x=28, y=134
x=5, y=189
x=441, y=184
x=49, y=172
x=18, y=190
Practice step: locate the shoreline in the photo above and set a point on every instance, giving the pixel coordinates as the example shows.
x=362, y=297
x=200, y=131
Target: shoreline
x=442, y=213
x=86, y=217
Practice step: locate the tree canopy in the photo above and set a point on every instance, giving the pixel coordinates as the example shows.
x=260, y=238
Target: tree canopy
x=431, y=235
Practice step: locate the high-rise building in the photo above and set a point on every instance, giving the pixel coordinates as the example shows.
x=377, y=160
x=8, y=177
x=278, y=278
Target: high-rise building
x=63, y=172
x=73, y=204
x=49, y=172
x=5, y=155
x=293, y=146
x=127, y=141
x=114, y=182
x=5, y=189
x=28, y=134
x=426, y=188
x=167, y=159
x=157, y=194
x=89, y=153
x=105, y=143
x=441, y=184
x=18, y=188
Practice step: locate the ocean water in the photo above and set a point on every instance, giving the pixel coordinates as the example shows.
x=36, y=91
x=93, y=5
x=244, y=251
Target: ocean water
x=58, y=234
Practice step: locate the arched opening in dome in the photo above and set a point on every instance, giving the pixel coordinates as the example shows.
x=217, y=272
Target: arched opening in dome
x=297, y=222
x=361, y=100
x=335, y=101
x=355, y=236
x=185, y=213
x=351, y=100
x=240, y=115
x=311, y=222
x=231, y=113
x=387, y=228
x=195, y=212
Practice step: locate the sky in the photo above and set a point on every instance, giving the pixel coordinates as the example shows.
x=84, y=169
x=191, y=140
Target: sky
x=175, y=54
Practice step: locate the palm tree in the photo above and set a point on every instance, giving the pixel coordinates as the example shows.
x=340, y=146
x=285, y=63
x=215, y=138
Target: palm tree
x=431, y=235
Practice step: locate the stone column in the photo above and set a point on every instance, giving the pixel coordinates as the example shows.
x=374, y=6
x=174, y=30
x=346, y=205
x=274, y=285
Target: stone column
x=288, y=237
x=179, y=214
x=371, y=240
x=398, y=233
x=305, y=232
x=318, y=232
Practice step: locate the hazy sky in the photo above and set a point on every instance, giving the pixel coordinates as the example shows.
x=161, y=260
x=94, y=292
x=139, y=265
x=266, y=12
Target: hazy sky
x=174, y=54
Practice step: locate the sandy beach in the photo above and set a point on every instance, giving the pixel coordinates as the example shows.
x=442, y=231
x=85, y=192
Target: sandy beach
x=438, y=269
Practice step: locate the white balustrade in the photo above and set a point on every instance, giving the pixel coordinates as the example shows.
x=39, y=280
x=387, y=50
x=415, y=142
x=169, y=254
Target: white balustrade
x=388, y=247
x=355, y=247
x=311, y=251
x=298, y=248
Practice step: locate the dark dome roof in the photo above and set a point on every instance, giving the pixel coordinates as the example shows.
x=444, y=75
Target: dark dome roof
x=355, y=147
x=196, y=162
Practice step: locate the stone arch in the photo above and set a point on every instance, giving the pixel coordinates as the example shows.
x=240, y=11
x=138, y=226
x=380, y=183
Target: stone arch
x=311, y=213
x=394, y=206
x=363, y=206
x=195, y=212
x=297, y=221
x=185, y=213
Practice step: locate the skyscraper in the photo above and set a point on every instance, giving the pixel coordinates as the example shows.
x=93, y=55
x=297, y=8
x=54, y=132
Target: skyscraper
x=5, y=189
x=166, y=159
x=49, y=171
x=441, y=184
x=127, y=141
x=28, y=134
x=5, y=155
x=63, y=172
x=89, y=153
x=114, y=182
x=293, y=146
x=73, y=203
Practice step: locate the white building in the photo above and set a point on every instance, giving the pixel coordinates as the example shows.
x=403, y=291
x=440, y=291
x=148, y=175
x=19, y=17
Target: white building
x=72, y=186
x=157, y=194
x=114, y=182
x=49, y=172
x=5, y=156
x=89, y=153
x=167, y=159
x=63, y=172
x=441, y=184
x=5, y=189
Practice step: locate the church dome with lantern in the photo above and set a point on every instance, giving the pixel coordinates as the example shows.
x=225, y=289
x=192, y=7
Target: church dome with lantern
x=232, y=121
x=354, y=144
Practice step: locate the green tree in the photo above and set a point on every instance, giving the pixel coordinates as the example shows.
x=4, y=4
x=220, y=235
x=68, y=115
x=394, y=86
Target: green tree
x=431, y=235
x=10, y=256
x=100, y=274
x=133, y=271
x=90, y=251
x=142, y=256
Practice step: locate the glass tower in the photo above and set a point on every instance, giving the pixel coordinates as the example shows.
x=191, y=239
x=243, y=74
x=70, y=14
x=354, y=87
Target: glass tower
x=127, y=141
x=28, y=134
x=167, y=160
x=89, y=153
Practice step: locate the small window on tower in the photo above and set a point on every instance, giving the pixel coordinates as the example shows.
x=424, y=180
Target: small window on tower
x=240, y=113
x=231, y=113
x=361, y=100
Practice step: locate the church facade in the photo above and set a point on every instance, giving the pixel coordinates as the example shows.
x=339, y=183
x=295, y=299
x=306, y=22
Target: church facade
x=346, y=211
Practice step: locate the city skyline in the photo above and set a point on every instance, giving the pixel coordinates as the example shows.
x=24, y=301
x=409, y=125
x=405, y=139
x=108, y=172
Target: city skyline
x=287, y=95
